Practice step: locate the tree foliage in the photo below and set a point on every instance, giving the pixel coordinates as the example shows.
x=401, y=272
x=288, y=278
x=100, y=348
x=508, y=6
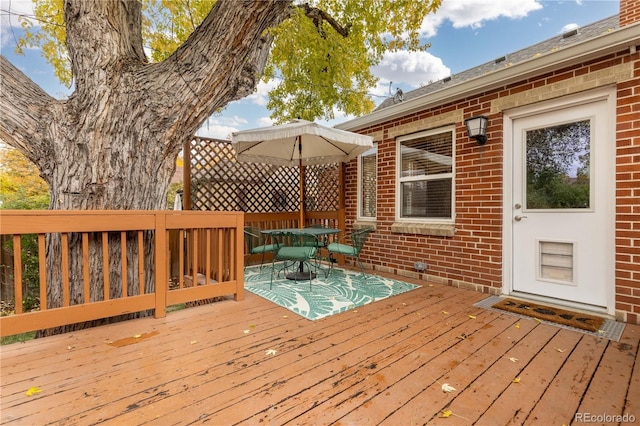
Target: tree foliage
x=21, y=187
x=321, y=57
x=51, y=37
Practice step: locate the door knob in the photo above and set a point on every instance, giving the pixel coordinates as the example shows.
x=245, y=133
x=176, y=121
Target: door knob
x=518, y=218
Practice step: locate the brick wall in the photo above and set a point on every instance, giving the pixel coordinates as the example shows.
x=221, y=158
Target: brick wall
x=629, y=12
x=628, y=197
x=472, y=258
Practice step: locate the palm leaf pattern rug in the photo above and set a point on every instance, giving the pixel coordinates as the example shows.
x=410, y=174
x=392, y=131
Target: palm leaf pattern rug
x=341, y=291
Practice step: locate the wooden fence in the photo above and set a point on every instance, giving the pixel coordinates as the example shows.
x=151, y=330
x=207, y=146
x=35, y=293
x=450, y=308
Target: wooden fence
x=207, y=247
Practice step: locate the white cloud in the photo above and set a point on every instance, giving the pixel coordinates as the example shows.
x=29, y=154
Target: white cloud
x=12, y=9
x=411, y=68
x=259, y=96
x=472, y=13
x=216, y=131
x=265, y=121
x=221, y=127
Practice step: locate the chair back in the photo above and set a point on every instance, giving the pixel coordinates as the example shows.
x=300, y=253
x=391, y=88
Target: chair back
x=359, y=237
x=253, y=237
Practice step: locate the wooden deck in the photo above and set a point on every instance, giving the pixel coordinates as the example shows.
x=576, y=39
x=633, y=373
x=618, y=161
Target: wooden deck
x=252, y=362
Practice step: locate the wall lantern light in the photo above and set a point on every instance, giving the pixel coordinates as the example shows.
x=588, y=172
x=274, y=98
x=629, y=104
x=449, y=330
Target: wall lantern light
x=477, y=128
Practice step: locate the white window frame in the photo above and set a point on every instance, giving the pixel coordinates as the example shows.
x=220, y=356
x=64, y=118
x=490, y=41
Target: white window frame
x=400, y=179
x=372, y=151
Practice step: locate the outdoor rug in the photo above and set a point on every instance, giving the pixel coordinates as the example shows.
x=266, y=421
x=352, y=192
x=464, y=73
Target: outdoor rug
x=576, y=321
x=342, y=291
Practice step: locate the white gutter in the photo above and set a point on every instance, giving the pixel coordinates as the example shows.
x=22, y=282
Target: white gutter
x=612, y=42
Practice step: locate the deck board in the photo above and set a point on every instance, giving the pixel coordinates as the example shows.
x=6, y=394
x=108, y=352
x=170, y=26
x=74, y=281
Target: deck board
x=382, y=363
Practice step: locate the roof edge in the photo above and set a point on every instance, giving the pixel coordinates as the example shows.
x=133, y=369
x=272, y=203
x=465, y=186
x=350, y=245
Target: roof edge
x=607, y=43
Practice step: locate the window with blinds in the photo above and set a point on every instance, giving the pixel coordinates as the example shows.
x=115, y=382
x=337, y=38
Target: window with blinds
x=367, y=183
x=425, y=175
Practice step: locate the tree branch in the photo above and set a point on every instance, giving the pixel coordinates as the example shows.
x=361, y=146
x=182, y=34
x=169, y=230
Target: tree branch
x=318, y=16
x=26, y=109
x=222, y=60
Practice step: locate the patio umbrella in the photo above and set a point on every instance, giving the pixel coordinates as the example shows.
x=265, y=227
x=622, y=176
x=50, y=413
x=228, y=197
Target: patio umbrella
x=299, y=143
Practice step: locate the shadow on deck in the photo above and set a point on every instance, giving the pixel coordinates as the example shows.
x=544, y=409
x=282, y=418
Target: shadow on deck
x=253, y=362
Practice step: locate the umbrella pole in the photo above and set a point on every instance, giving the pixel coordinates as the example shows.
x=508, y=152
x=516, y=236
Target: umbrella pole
x=301, y=223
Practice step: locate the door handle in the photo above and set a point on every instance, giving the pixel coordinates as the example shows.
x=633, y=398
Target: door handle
x=518, y=218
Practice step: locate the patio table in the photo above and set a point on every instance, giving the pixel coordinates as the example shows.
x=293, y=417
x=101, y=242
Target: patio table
x=300, y=274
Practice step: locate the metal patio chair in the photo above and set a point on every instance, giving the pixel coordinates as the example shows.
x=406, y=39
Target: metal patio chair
x=299, y=256
x=358, y=238
x=258, y=243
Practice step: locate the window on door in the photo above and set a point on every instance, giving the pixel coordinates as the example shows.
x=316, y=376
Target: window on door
x=425, y=176
x=367, y=184
x=558, y=162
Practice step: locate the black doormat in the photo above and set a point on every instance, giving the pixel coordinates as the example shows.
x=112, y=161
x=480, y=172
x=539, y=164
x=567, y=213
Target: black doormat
x=548, y=313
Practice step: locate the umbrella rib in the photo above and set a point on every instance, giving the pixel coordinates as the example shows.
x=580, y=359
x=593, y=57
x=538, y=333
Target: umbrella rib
x=295, y=146
x=251, y=146
x=334, y=145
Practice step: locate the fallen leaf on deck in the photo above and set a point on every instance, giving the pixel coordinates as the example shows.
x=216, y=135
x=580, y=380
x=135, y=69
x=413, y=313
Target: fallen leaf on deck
x=472, y=317
x=517, y=325
x=32, y=391
x=69, y=347
x=559, y=350
x=516, y=380
x=270, y=352
x=512, y=359
x=446, y=413
x=445, y=312
x=252, y=325
x=247, y=331
x=193, y=342
x=285, y=316
x=132, y=339
x=538, y=319
x=462, y=336
x=447, y=388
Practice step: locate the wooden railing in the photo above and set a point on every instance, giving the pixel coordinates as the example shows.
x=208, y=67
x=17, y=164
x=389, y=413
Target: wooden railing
x=327, y=219
x=122, y=262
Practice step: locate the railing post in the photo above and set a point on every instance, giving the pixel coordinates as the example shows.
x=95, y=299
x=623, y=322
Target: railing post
x=239, y=257
x=161, y=262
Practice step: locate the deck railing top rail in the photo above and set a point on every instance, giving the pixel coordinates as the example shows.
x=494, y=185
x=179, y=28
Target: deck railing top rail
x=118, y=262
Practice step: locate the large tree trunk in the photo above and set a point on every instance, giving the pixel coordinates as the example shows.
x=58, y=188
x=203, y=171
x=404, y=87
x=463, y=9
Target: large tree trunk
x=114, y=142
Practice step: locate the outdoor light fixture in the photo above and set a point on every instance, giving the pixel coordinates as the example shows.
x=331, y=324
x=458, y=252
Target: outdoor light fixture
x=477, y=128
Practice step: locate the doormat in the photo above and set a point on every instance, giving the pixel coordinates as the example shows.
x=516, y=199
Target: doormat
x=343, y=290
x=548, y=313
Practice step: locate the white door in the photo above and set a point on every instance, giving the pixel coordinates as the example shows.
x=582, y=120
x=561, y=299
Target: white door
x=562, y=203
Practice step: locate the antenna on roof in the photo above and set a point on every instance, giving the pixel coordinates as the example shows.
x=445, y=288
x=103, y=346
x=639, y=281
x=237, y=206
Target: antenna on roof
x=398, y=96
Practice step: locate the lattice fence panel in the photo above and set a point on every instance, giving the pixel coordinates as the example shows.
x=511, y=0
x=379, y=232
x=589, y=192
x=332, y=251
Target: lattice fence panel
x=220, y=183
x=322, y=183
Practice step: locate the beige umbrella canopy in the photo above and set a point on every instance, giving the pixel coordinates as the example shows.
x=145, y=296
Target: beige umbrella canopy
x=299, y=143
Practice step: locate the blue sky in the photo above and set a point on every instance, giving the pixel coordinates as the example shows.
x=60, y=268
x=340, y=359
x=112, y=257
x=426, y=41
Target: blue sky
x=463, y=34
